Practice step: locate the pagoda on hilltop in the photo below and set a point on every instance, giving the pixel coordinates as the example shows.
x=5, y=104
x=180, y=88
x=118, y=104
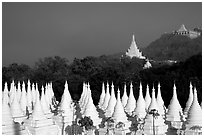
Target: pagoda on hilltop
x=134, y=51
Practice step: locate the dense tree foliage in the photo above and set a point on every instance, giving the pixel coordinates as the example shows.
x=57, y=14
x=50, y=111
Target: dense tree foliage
x=173, y=47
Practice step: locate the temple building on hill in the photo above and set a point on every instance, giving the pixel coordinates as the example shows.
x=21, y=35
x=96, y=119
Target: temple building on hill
x=183, y=31
x=134, y=51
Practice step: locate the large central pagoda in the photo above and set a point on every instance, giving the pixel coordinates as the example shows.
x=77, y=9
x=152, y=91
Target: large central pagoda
x=134, y=51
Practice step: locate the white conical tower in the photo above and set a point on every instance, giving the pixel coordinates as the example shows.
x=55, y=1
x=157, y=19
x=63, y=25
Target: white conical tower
x=190, y=100
x=66, y=100
x=38, y=113
x=124, y=97
x=5, y=93
x=33, y=91
x=18, y=92
x=38, y=124
x=147, y=98
x=11, y=92
x=119, y=112
x=48, y=97
x=160, y=127
x=111, y=104
x=133, y=51
x=160, y=102
x=29, y=97
x=23, y=100
x=131, y=103
x=174, y=109
x=140, y=111
x=90, y=110
x=16, y=110
x=84, y=98
x=106, y=99
x=102, y=96
x=82, y=94
x=194, y=114
x=8, y=127
x=44, y=104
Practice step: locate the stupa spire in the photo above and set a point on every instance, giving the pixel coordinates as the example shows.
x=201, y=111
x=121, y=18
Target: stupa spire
x=160, y=101
x=190, y=100
x=131, y=103
x=102, y=96
x=23, y=100
x=125, y=97
x=107, y=97
x=111, y=104
x=140, y=105
x=147, y=98
x=194, y=115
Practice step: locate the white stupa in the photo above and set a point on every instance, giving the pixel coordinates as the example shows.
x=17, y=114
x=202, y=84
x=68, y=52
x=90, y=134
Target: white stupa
x=82, y=94
x=33, y=92
x=190, y=100
x=111, y=104
x=140, y=111
x=174, y=116
x=160, y=102
x=45, y=105
x=124, y=97
x=160, y=127
x=133, y=51
x=18, y=92
x=23, y=99
x=90, y=110
x=147, y=65
x=119, y=113
x=131, y=103
x=5, y=95
x=38, y=123
x=102, y=96
x=8, y=126
x=194, y=118
x=66, y=107
x=16, y=110
x=147, y=98
x=29, y=97
x=106, y=99
x=84, y=99
x=11, y=92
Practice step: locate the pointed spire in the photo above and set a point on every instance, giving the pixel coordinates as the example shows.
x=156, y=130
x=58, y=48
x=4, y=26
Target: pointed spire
x=190, y=100
x=19, y=91
x=29, y=97
x=5, y=93
x=174, y=109
x=107, y=97
x=153, y=104
x=131, y=103
x=44, y=105
x=140, y=105
x=125, y=97
x=23, y=99
x=102, y=96
x=38, y=113
x=119, y=113
x=195, y=113
x=160, y=101
x=147, y=98
x=111, y=104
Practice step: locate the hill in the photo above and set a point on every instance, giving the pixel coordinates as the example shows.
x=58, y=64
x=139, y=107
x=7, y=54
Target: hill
x=173, y=47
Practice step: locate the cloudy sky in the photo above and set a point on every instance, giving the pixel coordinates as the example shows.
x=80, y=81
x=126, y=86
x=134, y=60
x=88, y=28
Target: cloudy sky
x=36, y=30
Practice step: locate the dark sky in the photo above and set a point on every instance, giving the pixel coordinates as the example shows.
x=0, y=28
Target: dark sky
x=36, y=30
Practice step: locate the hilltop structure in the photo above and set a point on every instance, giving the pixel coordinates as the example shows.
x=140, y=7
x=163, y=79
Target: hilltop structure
x=134, y=51
x=183, y=31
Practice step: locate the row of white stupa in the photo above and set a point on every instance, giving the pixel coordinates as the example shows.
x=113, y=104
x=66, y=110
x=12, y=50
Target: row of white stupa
x=174, y=117
x=42, y=122
x=33, y=112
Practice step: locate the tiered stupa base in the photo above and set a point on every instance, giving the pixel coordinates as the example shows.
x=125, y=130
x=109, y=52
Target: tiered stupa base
x=13, y=129
x=42, y=127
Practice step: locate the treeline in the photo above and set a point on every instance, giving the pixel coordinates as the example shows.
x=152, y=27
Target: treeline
x=96, y=70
